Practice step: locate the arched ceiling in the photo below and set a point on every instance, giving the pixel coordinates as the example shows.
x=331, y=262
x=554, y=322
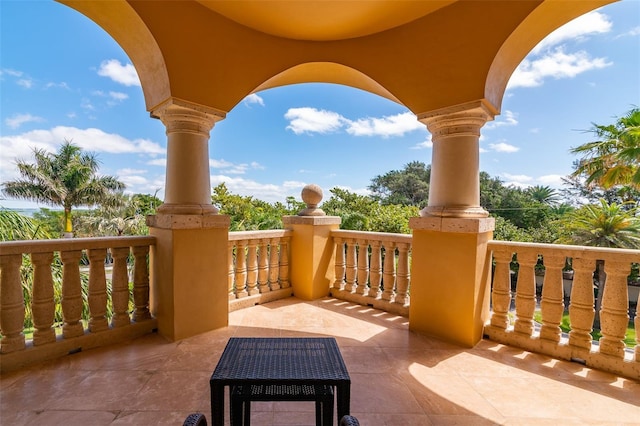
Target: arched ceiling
x=323, y=20
x=426, y=55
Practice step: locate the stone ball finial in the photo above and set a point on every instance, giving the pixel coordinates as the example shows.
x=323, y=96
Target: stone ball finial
x=311, y=195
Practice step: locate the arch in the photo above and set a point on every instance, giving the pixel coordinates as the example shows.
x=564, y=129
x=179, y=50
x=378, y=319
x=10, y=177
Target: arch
x=544, y=19
x=120, y=20
x=327, y=72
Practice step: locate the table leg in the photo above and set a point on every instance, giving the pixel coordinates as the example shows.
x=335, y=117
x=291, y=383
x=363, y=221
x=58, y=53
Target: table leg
x=343, y=399
x=217, y=405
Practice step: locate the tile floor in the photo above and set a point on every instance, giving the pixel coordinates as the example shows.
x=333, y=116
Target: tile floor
x=399, y=378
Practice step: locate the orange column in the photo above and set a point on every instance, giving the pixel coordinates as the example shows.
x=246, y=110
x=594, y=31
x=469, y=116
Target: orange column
x=450, y=267
x=189, y=264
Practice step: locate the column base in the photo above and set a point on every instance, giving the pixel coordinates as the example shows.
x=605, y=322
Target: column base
x=189, y=272
x=450, y=278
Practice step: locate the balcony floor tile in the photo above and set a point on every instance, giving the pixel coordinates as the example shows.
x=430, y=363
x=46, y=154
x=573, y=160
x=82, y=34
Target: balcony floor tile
x=398, y=378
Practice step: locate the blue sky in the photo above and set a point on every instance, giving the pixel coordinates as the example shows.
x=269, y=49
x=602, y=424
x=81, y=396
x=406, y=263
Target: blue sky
x=62, y=77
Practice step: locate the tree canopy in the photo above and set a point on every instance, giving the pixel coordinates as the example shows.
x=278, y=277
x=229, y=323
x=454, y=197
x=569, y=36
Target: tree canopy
x=613, y=159
x=65, y=179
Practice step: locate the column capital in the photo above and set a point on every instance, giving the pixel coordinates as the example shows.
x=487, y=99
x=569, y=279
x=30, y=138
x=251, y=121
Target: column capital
x=458, y=120
x=186, y=117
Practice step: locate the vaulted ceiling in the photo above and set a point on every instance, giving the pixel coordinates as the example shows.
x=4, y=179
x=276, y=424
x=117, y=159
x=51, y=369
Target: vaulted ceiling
x=426, y=55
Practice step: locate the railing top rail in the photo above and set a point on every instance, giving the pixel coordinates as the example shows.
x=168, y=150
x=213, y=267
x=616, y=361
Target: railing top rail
x=69, y=244
x=257, y=235
x=622, y=255
x=372, y=236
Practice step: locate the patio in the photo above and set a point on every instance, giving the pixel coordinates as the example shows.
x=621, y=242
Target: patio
x=398, y=377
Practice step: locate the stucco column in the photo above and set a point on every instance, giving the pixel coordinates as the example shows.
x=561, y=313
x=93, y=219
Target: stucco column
x=188, y=263
x=188, y=182
x=454, y=189
x=450, y=268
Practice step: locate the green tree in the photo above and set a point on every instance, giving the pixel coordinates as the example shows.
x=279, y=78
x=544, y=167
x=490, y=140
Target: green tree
x=543, y=194
x=614, y=158
x=407, y=187
x=604, y=225
x=66, y=179
x=127, y=218
x=15, y=227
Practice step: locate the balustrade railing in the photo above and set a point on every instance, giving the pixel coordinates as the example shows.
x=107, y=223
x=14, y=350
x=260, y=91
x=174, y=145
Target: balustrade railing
x=258, y=267
x=517, y=327
x=372, y=268
x=48, y=294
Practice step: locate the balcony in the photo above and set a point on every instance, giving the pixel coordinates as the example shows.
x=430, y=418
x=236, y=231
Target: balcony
x=520, y=372
x=398, y=377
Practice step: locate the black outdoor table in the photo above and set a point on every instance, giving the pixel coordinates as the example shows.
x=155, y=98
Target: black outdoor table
x=250, y=361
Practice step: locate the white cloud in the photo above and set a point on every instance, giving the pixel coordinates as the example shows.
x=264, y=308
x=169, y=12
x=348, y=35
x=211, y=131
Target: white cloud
x=311, y=120
x=507, y=118
x=93, y=140
x=18, y=120
x=393, y=125
x=427, y=143
x=62, y=85
x=232, y=168
x=556, y=64
x=587, y=24
x=631, y=33
x=118, y=96
x=551, y=58
x=123, y=74
x=253, y=99
x=158, y=162
x=27, y=83
x=503, y=147
x=9, y=71
x=554, y=181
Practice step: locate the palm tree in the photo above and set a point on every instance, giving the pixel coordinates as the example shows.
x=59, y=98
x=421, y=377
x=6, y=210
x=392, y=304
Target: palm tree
x=66, y=179
x=604, y=225
x=543, y=194
x=613, y=159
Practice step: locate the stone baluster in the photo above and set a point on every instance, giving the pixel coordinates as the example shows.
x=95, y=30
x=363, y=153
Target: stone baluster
x=42, y=302
x=340, y=265
x=284, y=263
x=263, y=266
x=120, y=287
x=241, y=270
x=525, y=292
x=12, y=307
x=71, y=294
x=614, y=312
x=389, y=271
x=274, y=265
x=252, y=268
x=231, y=271
x=363, y=267
x=141, y=283
x=402, y=277
x=501, y=294
x=581, y=311
x=552, y=305
x=97, y=297
x=375, y=270
x=350, y=266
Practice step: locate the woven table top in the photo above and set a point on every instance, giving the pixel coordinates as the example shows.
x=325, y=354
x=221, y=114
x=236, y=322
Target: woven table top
x=308, y=359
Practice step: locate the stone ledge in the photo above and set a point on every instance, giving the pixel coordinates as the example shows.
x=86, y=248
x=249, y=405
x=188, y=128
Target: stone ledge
x=452, y=224
x=188, y=221
x=311, y=220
